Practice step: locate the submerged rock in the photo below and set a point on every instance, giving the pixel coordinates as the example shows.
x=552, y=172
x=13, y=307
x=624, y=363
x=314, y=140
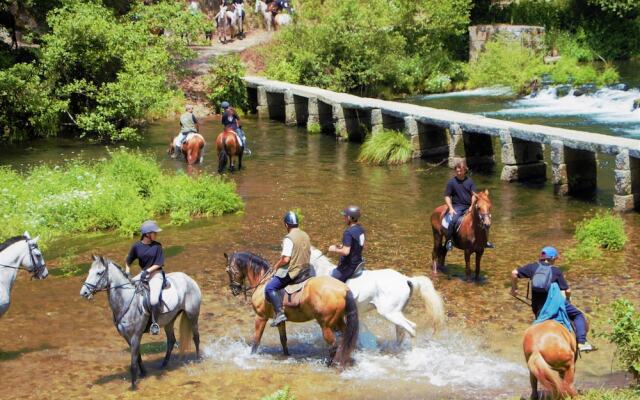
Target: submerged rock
x=589, y=88
x=636, y=104
x=619, y=86
x=563, y=90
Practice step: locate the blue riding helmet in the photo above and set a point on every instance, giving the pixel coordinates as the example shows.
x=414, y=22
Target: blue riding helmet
x=291, y=219
x=224, y=105
x=548, y=252
x=352, y=212
x=149, y=227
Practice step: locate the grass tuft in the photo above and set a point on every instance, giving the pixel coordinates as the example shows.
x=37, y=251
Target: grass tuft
x=387, y=147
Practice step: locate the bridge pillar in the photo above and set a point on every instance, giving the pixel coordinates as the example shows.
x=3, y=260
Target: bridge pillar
x=522, y=159
x=376, y=121
x=456, y=144
x=411, y=130
x=263, y=106
x=627, y=187
x=290, y=117
x=339, y=122
x=559, y=169
x=314, y=113
x=574, y=171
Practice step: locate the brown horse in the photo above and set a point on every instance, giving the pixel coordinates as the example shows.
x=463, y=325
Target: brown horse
x=550, y=351
x=228, y=145
x=192, y=149
x=471, y=237
x=325, y=299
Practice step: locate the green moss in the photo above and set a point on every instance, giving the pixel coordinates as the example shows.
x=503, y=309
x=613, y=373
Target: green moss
x=314, y=128
x=387, y=147
x=281, y=394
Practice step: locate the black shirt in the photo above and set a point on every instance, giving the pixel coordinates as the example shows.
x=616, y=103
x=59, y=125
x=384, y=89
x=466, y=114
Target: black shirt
x=147, y=255
x=538, y=298
x=352, y=237
x=460, y=191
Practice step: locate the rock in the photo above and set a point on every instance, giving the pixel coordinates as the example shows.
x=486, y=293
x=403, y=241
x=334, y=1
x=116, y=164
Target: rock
x=589, y=88
x=546, y=80
x=636, y=104
x=562, y=90
x=619, y=86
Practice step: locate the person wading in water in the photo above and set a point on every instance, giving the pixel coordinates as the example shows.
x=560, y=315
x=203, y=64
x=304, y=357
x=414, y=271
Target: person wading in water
x=542, y=274
x=296, y=255
x=150, y=257
x=352, y=245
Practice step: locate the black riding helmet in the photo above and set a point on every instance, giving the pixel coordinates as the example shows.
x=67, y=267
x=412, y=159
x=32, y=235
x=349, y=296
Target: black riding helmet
x=353, y=212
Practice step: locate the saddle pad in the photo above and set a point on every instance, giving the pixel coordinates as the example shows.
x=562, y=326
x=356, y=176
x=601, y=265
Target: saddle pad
x=169, y=295
x=292, y=297
x=176, y=140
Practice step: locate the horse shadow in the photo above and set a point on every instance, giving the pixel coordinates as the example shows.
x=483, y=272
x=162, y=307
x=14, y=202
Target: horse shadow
x=12, y=355
x=457, y=271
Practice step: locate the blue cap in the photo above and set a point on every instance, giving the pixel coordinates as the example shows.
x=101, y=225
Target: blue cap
x=224, y=105
x=291, y=219
x=149, y=227
x=548, y=252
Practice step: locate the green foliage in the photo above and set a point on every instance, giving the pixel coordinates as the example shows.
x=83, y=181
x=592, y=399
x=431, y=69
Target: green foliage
x=298, y=212
x=280, y=394
x=115, y=193
x=387, y=147
x=224, y=82
x=610, y=394
x=314, y=128
x=625, y=335
x=620, y=8
x=602, y=231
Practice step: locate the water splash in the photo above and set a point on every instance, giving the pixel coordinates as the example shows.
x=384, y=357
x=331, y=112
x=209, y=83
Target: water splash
x=495, y=91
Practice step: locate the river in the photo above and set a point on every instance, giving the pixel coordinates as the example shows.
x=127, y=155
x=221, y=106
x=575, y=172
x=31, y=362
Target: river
x=57, y=345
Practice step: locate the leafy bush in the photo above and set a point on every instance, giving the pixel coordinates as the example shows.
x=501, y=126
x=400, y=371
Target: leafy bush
x=280, y=394
x=387, y=147
x=610, y=394
x=224, y=82
x=115, y=193
x=625, y=334
x=602, y=231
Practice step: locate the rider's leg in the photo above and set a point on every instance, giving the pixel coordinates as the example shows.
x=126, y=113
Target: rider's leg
x=580, y=323
x=273, y=297
x=452, y=226
x=155, y=287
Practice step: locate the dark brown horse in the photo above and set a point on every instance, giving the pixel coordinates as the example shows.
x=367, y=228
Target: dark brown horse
x=228, y=146
x=550, y=351
x=324, y=299
x=471, y=237
x=192, y=149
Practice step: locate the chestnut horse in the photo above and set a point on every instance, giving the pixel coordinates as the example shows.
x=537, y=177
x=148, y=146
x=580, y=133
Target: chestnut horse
x=325, y=299
x=471, y=237
x=192, y=148
x=228, y=145
x=551, y=352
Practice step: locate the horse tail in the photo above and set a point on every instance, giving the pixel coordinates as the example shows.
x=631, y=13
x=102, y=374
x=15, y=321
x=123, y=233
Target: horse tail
x=350, y=335
x=432, y=301
x=548, y=378
x=185, y=334
x=223, y=156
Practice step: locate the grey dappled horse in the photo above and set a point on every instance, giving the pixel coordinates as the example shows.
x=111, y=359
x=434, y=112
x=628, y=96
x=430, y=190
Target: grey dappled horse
x=18, y=252
x=132, y=318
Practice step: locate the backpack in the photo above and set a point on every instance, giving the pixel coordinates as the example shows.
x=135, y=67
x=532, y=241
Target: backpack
x=541, y=280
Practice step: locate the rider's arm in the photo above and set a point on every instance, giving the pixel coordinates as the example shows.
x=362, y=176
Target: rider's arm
x=447, y=201
x=564, y=286
x=195, y=121
x=131, y=257
x=514, y=281
x=284, y=260
x=345, y=247
x=287, y=251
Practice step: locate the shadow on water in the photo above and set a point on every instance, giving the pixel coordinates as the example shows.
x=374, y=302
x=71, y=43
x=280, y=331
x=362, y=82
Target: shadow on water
x=457, y=272
x=12, y=355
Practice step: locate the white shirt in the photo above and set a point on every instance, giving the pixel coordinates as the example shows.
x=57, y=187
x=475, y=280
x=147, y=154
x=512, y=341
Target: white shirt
x=287, y=247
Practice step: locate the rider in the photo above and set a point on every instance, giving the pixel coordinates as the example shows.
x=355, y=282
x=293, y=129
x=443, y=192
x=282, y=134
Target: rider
x=296, y=254
x=231, y=120
x=458, y=195
x=548, y=256
x=188, y=123
x=150, y=257
x=352, y=244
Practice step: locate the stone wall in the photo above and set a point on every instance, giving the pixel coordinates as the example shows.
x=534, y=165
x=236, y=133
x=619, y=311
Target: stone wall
x=528, y=36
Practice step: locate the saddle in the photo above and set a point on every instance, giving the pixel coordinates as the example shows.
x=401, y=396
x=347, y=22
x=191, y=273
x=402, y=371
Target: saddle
x=292, y=294
x=146, y=292
x=359, y=270
x=458, y=222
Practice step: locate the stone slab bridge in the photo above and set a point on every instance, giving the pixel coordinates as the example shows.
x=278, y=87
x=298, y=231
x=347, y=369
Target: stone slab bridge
x=439, y=134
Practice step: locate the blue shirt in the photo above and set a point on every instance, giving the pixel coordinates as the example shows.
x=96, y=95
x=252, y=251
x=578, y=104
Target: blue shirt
x=460, y=192
x=352, y=237
x=539, y=298
x=147, y=255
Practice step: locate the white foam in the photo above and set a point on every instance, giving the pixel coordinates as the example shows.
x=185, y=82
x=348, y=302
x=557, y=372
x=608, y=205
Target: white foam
x=496, y=91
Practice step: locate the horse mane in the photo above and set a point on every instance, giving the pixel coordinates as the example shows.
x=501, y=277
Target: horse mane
x=253, y=261
x=106, y=261
x=10, y=241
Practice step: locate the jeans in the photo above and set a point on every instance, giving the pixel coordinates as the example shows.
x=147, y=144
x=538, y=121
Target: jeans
x=453, y=220
x=243, y=138
x=277, y=283
x=155, y=288
x=342, y=274
x=579, y=321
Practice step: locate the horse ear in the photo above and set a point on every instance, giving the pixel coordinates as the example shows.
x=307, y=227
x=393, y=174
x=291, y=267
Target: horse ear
x=26, y=235
x=94, y=257
x=226, y=256
x=486, y=191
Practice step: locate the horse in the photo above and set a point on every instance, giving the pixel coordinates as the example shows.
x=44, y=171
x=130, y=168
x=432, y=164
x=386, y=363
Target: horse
x=132, y=319
x=261, y=7
x=9, y=22
x=551, y=352
x=16, y=252
x=280, y=19
x=222, y=23
x=228, y=145
x=192, y=148
x=238, y=11
x=389, y=292
x=327, y=300
x=471, y=237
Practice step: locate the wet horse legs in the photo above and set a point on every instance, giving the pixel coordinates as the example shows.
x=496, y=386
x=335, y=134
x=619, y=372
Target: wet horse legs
x=282, y=330
x=534, y=386
x=171, y=341
x=330, y=338
x=260, y=324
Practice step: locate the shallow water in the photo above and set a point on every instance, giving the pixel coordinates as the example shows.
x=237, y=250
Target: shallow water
x=57, y=345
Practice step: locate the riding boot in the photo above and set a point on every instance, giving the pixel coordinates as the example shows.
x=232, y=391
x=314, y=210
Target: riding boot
x=155, y=313
x=274, y=298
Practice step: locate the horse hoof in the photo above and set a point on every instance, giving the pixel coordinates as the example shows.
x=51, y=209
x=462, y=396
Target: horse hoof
x=133, y=387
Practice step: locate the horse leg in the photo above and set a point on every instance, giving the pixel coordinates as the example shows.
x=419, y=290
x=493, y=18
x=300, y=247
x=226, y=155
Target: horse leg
x=330, y=338
x=478, y=258
x=135, y=352
x=240, y=159
x=467, y=263
x=171, y=341
x=435, y=253
x=143, y=371
x=534, y=386
x=282, y=330
x=193, y=319
x=259, y=326
x=568, y=380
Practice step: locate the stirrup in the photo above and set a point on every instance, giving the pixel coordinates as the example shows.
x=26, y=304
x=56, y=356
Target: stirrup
x=449, y=244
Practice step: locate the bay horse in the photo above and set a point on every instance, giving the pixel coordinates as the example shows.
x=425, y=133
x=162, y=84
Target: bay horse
x=132, y=319
x=325, y=299
x=228, y=146
x=471, y=237
x=551, y=352
x=192, y=149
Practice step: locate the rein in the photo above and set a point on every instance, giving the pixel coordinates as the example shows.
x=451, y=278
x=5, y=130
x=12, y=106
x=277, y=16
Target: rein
x=241, y=288
x=36, y=269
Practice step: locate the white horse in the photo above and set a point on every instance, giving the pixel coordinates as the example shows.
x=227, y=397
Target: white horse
x=389, y=291
x=16, y=252
x=222, y=23
x=283, y=19
x=239, y=19
x=132, y=318
x=261, y=7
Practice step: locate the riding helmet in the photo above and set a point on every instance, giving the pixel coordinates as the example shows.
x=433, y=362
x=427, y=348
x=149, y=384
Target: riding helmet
x=291, y=219
x=353, y=212
x=224, y=105
x=149, y=227
x=548, y=252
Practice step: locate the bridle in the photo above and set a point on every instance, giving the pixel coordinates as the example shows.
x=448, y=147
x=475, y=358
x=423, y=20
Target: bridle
x=236, y=287
x=36, y=268
x=483, y=217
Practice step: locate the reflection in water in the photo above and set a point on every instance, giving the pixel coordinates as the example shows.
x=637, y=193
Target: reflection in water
x=479, y=356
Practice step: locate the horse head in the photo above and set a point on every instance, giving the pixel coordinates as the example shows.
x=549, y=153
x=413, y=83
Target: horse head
x=98, y=277
x=237, y=273
x=33, y=261
x=241, y=265
x=483, y=208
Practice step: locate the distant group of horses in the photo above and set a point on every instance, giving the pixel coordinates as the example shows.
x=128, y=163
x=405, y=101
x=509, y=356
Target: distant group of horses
x=228, y=145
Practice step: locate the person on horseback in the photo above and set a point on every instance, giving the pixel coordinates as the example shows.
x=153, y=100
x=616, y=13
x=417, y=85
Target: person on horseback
x=296, y=255
x=230, y=119
x=150, y=257
x=352, y=245
x=542, y=274
x=459, y=197
x=188, y=123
